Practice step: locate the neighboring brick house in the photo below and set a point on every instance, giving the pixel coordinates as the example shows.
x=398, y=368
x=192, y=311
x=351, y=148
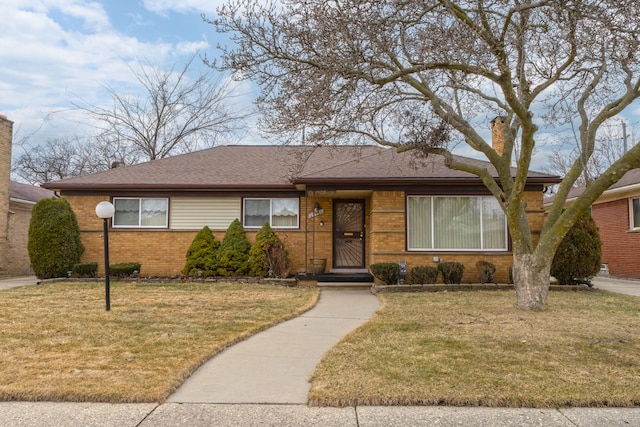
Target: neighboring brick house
x=16, y=202
x=22, y=197
x=352, y=206
x=617, y=214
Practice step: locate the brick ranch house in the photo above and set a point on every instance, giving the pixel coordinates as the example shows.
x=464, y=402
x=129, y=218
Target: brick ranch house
x=351, y=206
x=16, y=202
x=617, y=214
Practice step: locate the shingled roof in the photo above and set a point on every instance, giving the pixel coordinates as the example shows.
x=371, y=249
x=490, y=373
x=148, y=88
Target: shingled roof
x=27, y=193
x=245, y=167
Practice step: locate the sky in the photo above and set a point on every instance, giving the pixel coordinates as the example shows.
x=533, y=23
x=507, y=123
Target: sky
x=54, y=53
x=57, y=53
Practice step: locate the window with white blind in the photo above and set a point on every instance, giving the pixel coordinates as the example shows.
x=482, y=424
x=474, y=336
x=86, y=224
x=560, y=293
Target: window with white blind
x=140, y=213
x=279, y=213
x=455, y=223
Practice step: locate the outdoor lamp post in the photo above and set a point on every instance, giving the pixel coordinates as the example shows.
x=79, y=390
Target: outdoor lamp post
x=105, y=210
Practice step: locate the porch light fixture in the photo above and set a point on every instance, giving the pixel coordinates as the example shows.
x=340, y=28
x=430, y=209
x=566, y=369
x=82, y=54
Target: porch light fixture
x=105, y=210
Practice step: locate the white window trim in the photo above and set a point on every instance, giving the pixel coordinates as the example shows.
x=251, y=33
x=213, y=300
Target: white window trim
x=632, y=227
x=432, y=220
x=270, y=199
x=140, y=199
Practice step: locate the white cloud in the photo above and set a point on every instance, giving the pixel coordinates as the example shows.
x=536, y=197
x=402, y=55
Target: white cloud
x=182, y=6
x=56, y=52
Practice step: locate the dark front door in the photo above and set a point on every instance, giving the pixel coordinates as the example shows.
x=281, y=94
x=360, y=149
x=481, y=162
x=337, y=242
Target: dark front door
x=348, y=234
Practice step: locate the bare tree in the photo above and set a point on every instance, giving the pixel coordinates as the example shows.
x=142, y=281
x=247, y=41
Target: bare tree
x=174, y=114
x=60, y=158
x=55, y=159
x=611, y=144
x=395, y=72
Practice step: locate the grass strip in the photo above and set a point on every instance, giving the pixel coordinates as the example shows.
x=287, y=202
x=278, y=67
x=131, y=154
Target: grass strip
x=476, y=349
x=59, y=344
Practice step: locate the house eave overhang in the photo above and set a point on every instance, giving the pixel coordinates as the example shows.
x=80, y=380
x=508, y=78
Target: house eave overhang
x=165, y=187
x=22, y=201
x=612, y=194
x=303, y=183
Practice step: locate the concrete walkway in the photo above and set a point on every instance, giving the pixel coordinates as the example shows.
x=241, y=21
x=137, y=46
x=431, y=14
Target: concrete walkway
x=275, y=365
x=621, y=286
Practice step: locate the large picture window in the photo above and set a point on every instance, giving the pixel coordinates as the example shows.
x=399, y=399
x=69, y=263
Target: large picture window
x=280, y=213
x=634, y=214
x=138, y=212
x=455, y=223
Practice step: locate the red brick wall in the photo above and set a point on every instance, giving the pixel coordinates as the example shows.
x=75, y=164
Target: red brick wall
x=620, y=247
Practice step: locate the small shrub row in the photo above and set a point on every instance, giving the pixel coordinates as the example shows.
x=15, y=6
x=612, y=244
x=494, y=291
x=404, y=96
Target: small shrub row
x=451, y=272
x=235, y=256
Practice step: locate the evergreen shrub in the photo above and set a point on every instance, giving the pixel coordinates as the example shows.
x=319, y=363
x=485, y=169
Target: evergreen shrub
x=85, y=269
x=451, y=272
x=201, y=255
x=579, y=255
x=268, y=254
x=124, y=269
x=423, y=274
x=233, y=253
x=387, y=272
x=54, y=238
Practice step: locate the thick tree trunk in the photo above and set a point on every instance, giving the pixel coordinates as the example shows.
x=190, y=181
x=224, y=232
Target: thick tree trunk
x=531, y=279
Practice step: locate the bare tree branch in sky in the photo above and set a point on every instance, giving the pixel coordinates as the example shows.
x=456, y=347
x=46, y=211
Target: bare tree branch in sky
x=173, y=113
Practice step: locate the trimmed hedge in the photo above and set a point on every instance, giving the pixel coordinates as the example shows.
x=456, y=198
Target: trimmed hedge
x=85, y=269
x=423, y=274
x=387, y=272
x=124, y=269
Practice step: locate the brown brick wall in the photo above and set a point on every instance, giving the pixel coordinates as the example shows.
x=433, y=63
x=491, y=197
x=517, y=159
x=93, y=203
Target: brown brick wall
x=620, y=247
x=6, y=136
x=18, y=236
x=162, y=252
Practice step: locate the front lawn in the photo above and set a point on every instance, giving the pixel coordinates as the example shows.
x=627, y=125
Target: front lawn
x=58, y=343
x=477, y=349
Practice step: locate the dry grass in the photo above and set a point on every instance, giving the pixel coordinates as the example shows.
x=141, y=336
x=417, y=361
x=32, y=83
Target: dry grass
x=59, y=344
x=475, y=348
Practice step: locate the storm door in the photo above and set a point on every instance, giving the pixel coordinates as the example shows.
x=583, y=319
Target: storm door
x=348, y=234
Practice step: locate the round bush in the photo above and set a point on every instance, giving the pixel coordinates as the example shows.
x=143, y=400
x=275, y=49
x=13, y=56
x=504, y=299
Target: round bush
x=423, y=274
x=387, y=272
x=54, y=239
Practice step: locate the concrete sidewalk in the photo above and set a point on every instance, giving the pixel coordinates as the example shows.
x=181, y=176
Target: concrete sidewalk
x=15, y=282
x=43, y=414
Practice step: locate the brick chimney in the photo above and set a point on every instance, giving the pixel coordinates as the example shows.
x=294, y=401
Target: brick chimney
x=497, y=134
x=6, y=136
